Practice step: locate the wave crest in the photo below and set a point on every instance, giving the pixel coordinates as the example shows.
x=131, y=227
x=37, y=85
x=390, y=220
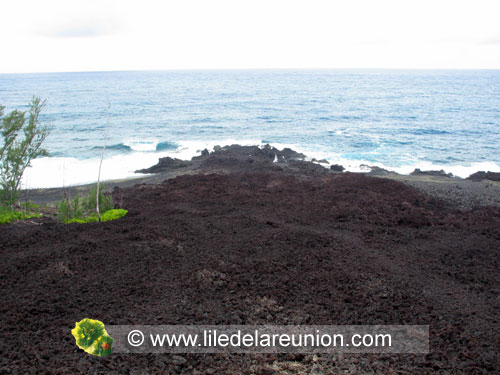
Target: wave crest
x=140, y=146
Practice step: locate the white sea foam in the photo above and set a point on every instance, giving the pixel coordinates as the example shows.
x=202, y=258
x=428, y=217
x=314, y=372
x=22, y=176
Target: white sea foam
x=141, y=145
x=58, y=171
x=457, y=170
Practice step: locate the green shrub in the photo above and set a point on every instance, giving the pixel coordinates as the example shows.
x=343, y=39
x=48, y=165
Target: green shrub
x=63, y=211
x=83, y=209
x=89, y=202
x=21, y=140
x=68, y=210
x=8, y=215
x=113, y=214
x=107, y=216
x=90, y=219
x=29, y=206
x=76, y=207
x=76, y=220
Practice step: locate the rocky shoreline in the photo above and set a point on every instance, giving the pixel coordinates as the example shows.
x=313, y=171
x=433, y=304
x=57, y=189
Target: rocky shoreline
x=480, y=189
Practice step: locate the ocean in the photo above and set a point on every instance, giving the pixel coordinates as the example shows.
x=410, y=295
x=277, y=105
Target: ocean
x=395, y=119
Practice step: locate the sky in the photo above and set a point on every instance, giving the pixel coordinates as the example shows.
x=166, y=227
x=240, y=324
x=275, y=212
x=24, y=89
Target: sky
x=90, y=35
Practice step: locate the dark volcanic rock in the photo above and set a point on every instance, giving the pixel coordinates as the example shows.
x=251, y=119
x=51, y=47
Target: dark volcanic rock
x=166, y=164
x=440, y=173
x=337, y=168
x=257, y=248
x=289, y=154
x=266, y=152
x=306, y=168
x=237, y=158
x=478, y=176
x=218, y=161
x=376, y=171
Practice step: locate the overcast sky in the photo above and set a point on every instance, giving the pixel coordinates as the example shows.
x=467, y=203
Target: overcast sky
x=87, y=35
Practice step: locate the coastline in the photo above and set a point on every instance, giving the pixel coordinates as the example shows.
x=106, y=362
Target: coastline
x=463, y=193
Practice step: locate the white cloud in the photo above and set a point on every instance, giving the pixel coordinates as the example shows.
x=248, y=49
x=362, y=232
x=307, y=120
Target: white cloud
x=82, y=29
x=72, y=35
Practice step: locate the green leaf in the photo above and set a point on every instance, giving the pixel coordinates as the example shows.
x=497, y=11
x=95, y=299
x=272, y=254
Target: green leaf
x=91, y=336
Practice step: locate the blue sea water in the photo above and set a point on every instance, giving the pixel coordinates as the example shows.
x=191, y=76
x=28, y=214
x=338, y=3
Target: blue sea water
x=396, y=119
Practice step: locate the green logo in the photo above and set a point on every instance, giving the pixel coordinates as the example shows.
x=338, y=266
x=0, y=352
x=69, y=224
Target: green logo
x=91, y=336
